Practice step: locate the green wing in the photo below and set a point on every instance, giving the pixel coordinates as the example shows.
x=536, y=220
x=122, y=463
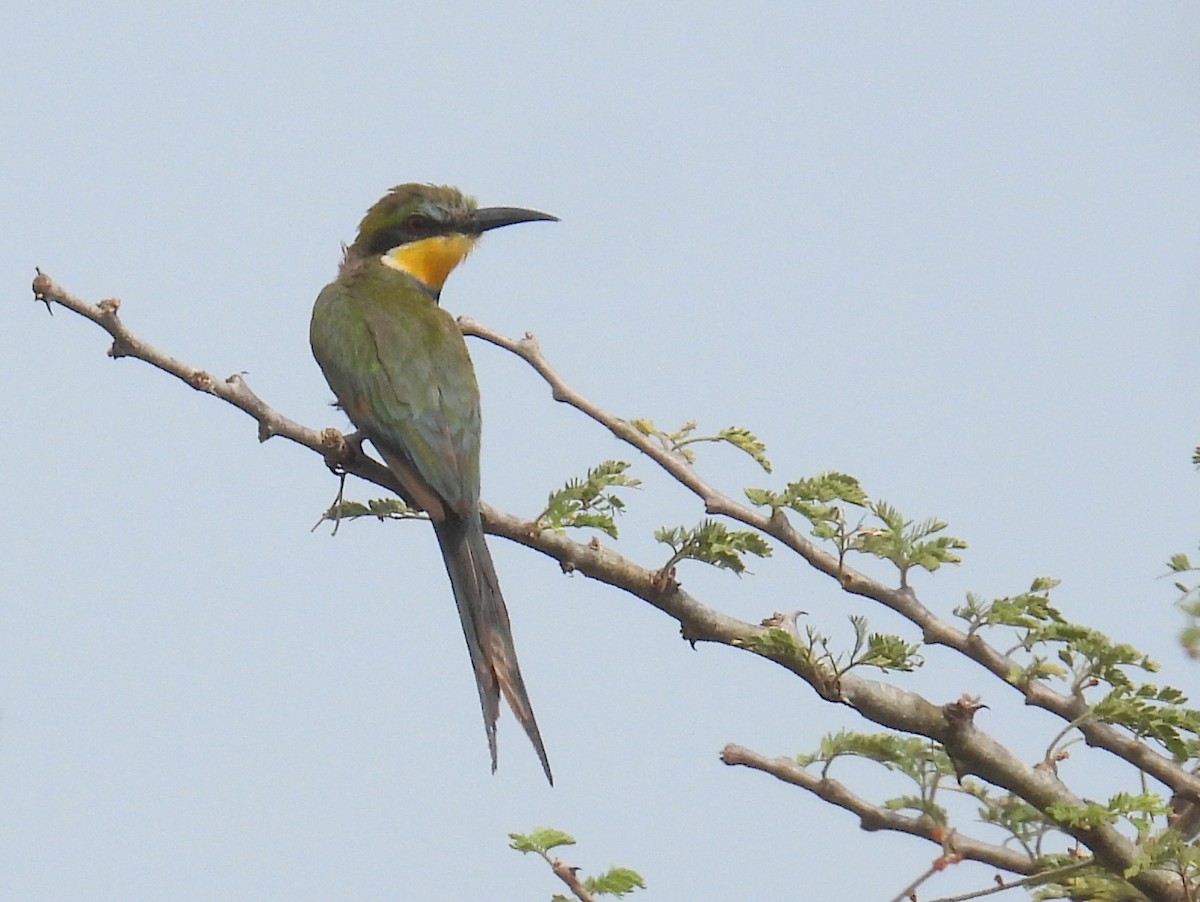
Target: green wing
x=401, y=372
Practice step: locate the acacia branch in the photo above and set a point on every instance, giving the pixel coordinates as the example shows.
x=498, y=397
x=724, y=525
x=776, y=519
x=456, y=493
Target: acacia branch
x=902, y=600
x=876, y=817
x=971, y=749
x=951, y=725
x=338, y=451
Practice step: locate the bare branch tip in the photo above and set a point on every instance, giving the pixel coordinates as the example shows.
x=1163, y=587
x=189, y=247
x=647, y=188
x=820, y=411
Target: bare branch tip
x=43, y=288
x=734, y=754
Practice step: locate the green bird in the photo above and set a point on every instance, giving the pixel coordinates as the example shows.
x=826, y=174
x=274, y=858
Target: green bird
x=400, y=370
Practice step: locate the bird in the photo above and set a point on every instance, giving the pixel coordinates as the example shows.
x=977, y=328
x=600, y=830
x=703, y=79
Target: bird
x=399, y=368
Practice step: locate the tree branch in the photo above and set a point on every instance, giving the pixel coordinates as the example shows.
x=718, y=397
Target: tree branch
x=569, y=876
x=970, y=748
x=876, y=817
x=903, y=601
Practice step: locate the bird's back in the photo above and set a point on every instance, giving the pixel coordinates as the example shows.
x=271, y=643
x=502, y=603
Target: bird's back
x=400, y=369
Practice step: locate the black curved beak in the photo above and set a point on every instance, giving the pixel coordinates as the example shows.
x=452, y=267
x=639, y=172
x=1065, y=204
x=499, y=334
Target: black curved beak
x=487, y=218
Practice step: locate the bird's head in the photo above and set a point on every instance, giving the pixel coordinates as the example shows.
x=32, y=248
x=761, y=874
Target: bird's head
x=427, y=230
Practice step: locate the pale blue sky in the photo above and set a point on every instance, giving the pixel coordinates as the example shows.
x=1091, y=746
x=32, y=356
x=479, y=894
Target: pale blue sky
x=948, y=248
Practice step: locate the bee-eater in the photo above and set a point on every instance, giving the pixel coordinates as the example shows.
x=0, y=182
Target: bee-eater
x=400, y=370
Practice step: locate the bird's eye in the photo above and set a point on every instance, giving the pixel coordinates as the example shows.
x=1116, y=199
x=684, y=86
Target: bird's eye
x=417, y=224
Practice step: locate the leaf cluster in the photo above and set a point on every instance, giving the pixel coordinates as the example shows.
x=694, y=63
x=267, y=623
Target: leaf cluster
x=677, y=442
x=1027, y=611
x=1138, y=809
x=540, y=840
x=616, y=881
x=712, y=542
x=1084, y=655
x=878, y=529
x=379, y=508
x=920, y=760
x=1153, y=712
x=1082, y=881
x=1188, y=602
x=884, y=651
x=1166, y=849
x=588, y=502
x=1086, y=658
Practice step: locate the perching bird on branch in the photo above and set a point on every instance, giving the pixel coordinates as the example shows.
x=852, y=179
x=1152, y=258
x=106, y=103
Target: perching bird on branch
x=400, y=370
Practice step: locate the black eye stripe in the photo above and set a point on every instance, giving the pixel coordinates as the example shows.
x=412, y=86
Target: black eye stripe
x=386, y=239
x=414, y=227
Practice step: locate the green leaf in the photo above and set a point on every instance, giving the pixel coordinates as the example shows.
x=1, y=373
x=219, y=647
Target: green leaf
x=935, y=813
x=677, y=442
x=540, y=840
x=1180, y=563
x=1154, y=712
x=670, y=441
x=763, y=498
x=820, y=499
x=748, y=442
x=615, y=882
x=1138, y=809
x=888, y=652
x=905, y=543
x=1044, y=584
x=587, y=502
x=1028, y=611
x=1091, y=815
x=712, y=542
x=919, y=759
x=379, y=508
x=774, y=642
x=815, y=493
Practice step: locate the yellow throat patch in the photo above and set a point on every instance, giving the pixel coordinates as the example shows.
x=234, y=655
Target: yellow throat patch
x=430, y=260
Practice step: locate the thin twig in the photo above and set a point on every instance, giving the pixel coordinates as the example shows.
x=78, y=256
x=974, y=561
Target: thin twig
x=909, y=892
x=1050, y=875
